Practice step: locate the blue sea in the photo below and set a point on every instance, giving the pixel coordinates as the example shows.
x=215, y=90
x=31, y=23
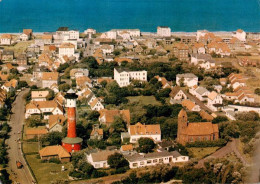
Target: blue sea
x=103, y=15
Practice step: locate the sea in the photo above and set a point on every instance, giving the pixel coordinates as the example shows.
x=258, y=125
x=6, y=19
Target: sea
x=146, y=15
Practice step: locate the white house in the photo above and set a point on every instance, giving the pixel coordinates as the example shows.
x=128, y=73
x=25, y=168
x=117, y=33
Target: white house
x=163, y=31
x=214, y=101
x=107, y=49
x=196, y=58
x=123, y=77
x=43, y=107
x=90, y=31
x=149, y=131
x=66, y=49
x=240, y=34
x=200, y=92
x=177, y=95
x=188, y=79
x=56, y=122
x=208, y=64
x=49, y=78
x=98, y=159
x=142, y=160
x=78, y=72
x=5, y=39
x=39, y=95
x=96, y=105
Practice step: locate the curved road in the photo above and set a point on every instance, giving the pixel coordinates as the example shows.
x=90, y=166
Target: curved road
x=23, y=175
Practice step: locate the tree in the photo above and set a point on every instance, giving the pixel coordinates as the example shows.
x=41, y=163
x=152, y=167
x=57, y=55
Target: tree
x=34, y=121
x=145, y=145
x=116, y=52
x=64, y=87
x=117, y=161
x=93, y=115
x=52, y=138
x=91, y=61
x=22, y=84
x=51, y=95
x=257, y=91
x=63, y=67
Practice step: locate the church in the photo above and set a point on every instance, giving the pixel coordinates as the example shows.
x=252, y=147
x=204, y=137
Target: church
x=191, y=132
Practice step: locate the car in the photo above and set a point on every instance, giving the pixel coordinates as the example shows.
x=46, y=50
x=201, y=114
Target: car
x=19, y=164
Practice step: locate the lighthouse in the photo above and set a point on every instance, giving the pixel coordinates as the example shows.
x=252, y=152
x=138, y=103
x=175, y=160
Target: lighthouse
x=71, y=143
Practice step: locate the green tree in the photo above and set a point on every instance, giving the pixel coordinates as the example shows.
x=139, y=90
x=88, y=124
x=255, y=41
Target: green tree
x=116, y=52
x=146, y=145
x=257, y=91
x=117, y=161
x=64, y=87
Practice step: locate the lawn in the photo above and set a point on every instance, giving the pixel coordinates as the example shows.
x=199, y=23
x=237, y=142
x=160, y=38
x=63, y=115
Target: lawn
x=201, y=152
x=20, y=47
x=30, y=147
x=47, y=172
x=144, y=100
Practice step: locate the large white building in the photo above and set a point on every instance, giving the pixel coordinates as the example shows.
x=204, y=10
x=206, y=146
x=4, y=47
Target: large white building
x=64, y=33
x=123, y=77
x=240, y=34
x=163, y=31
x=138, y=131
x=188, y=79
x=112, y=34
x=142, y=160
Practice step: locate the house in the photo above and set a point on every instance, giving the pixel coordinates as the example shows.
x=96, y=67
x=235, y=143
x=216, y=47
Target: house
x=49, y=78
x=165, y=145
x=45, y=60
x=83, y=81
x=190, y=105
x=199, y=48
x=163, y=31
x=78, y=72
x=240, y=34
x=107, y=117
x=96, y=133
x=237, y=80
x=223, y=81
x=98, y=159
x=66, y=49
x=96, y=105
x=200, y=92
x=188, y=39
x=21, y=60
x=187, y=79
x=6, y=68
x=138, y=131
x=89, y=32
x=177, y=95
x=47, y=39
x=150, y=159
x=57, y=152
x=197, y=58
x=126, y=149
x=123, y=76
x=215, y=101
x=5, y=39
x=10, y=86
x=63, y=33
x=32, y=133
x=26, y=35
x=8, y=55
x=191, y=132
x=39, y=95
x=181, y=51
x=43, y=107
x=54, y=87
x=56, y=123
x=163, y=80
x=208, y=64
x=219, y=48
x=107, y=49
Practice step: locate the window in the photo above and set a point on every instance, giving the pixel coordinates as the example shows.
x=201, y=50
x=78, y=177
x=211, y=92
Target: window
x=142, y=163
x=155, y=161
x=149, y=161
x=135, y=164
x=160, y=160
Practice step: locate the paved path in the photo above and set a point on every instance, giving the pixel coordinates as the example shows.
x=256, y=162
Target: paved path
x=230, y=147
x=22, y=175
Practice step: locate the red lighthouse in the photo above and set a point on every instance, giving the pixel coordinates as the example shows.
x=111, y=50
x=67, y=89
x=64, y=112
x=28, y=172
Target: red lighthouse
x=71, y=143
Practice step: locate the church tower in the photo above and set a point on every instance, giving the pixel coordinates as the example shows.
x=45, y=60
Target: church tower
x=182, y=125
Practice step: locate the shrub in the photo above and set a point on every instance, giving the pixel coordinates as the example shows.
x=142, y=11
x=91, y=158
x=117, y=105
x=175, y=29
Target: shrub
x=55, y=160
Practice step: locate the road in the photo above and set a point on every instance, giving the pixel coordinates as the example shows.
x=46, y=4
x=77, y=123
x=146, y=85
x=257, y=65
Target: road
x=22, y=175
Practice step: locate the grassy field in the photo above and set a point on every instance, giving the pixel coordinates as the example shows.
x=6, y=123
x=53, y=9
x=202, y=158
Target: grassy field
x=30, y=147
x=19, y=47
x=47, y=172
x=144, y=100
x=201, y=152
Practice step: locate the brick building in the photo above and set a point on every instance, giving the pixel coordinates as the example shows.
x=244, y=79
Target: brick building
x=191, y=132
